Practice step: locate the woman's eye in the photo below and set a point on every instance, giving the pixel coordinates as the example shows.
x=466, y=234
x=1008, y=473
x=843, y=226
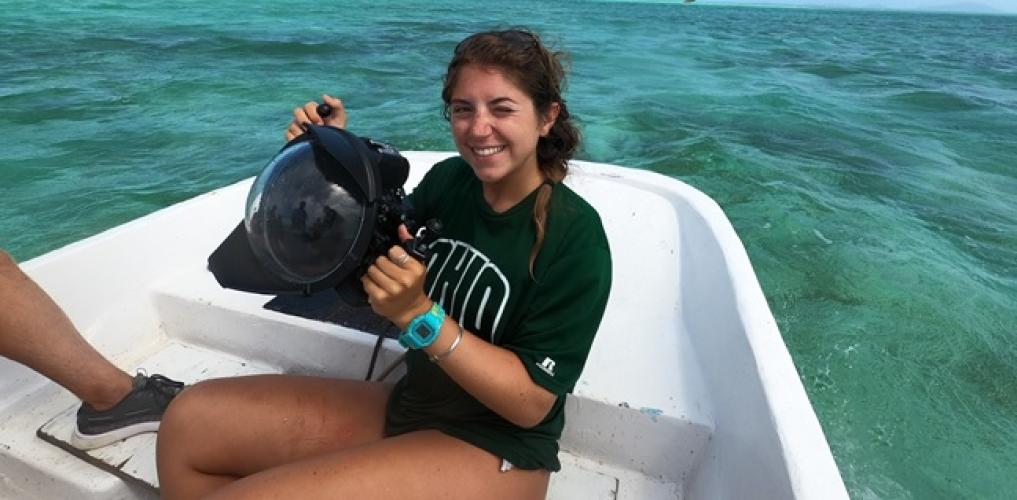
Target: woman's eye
x=503, y=111
x=458, y=110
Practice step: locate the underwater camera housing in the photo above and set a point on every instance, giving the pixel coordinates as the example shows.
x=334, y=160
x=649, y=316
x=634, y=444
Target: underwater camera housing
x=322, y=210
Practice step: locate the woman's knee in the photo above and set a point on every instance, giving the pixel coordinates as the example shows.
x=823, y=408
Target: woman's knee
x=189, y=428
x=183, y=439
x=189, y=407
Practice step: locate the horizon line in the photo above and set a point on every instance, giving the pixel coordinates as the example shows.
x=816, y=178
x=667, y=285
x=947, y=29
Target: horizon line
x=790, y=5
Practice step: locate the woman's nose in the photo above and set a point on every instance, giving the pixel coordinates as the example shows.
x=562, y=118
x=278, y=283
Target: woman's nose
x=481, y=125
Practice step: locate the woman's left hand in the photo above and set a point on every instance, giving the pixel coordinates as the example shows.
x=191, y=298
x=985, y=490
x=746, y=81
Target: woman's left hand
x=395, y=285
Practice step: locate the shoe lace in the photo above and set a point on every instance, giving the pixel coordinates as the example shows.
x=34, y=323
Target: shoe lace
x=162, y=386
x=165, y=385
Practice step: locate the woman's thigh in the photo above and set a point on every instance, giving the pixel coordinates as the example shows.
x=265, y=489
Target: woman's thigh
x=418, y=465
x=240, y=426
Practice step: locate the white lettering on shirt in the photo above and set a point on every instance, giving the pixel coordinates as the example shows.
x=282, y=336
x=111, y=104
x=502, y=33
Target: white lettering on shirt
x=472, y=288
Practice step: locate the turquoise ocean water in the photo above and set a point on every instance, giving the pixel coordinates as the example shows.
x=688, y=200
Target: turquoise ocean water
x=868, y=161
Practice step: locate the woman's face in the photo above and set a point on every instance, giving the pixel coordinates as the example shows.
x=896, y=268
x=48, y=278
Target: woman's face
x=496, y=127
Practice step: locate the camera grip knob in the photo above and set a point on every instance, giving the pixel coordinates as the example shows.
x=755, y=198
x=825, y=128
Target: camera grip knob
x=420, y=247
x=324, y=110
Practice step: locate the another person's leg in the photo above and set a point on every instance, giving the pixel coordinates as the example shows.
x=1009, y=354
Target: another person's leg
x=307, y=437
x=35, y=332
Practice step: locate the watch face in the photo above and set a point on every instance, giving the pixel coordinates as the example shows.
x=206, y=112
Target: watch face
x=423, y=331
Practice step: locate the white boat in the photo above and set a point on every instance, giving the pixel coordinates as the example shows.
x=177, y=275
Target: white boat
x=689, y=391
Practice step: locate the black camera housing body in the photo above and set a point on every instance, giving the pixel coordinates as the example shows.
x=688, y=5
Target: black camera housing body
x=319, y=214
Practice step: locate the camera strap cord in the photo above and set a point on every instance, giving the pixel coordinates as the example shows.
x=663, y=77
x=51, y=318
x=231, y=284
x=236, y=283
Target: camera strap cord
x=374, y=359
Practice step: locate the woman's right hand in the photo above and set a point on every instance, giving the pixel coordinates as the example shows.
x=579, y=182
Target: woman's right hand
x=309, y=114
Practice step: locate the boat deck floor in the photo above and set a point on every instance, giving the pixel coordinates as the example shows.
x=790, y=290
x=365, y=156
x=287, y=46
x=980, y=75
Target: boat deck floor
x=133, y=460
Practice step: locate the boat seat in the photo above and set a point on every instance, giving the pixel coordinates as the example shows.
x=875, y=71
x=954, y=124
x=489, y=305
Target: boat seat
x=641, y=390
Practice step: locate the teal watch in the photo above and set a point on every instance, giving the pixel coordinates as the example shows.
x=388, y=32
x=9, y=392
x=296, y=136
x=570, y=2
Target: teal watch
x=423, y=330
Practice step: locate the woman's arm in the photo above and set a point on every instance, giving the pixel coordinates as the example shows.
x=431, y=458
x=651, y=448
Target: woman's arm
x=494, y=375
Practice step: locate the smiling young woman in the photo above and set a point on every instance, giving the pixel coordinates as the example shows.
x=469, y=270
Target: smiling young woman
x=496, y=127
x=481, y=407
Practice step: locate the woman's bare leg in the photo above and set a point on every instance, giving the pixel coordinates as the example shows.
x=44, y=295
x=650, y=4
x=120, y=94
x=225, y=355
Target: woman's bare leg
x=220, y=430
x=307, y=437
x=421, y=465
x=36, y=333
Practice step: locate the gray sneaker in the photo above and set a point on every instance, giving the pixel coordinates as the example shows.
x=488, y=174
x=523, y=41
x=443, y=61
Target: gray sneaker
x=139, y=411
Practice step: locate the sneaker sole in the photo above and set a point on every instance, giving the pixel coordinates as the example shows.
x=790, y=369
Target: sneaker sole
x=87, y=442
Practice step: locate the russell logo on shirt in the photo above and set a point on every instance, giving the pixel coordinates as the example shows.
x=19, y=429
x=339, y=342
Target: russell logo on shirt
x=547, y=365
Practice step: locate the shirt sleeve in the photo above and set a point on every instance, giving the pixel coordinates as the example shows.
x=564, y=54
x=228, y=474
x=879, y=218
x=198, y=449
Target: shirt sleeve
x=555, y=337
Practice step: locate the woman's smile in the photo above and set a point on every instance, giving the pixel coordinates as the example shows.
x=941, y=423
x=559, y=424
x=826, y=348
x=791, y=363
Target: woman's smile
x=487, y=151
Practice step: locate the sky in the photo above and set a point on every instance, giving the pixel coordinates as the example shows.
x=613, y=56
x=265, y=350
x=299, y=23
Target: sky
x=994, y=6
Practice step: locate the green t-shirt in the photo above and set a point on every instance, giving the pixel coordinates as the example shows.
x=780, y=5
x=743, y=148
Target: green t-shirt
x=479, y=273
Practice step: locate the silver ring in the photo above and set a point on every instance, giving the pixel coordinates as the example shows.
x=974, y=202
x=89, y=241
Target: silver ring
x=403, y=260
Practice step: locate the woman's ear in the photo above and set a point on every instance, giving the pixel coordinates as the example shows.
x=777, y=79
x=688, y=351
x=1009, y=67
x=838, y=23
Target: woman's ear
x=549, y=118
